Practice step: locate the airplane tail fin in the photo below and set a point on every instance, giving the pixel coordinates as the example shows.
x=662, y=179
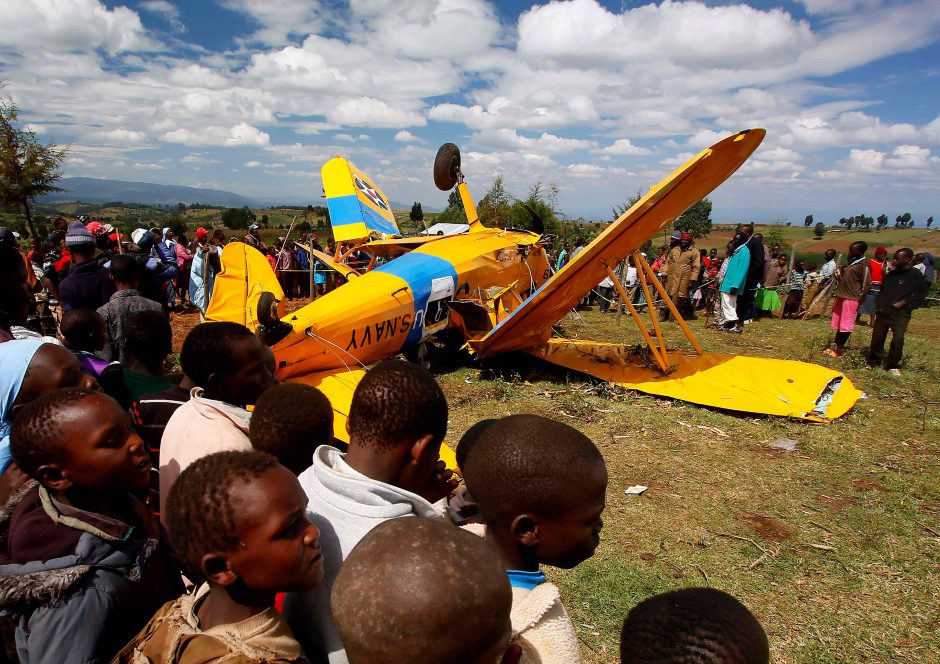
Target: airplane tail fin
x=358, y=208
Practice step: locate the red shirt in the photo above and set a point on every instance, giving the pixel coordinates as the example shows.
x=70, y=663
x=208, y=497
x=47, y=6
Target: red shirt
x=877, y=270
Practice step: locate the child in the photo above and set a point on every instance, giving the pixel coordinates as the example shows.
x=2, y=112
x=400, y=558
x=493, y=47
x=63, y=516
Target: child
x=231, y=369
x=150, y=414
x=903, y=289
x=83, y=564
x=448, y=603
x=147, y=342
x=540, y=487
x=30, y=369
x=290, y=421
x=397, y=420
x=461, y=506
x=851, y=290
x=692, y=626
x=85, y=334
x=795, y=288
x=237, y=520
x=126, y=301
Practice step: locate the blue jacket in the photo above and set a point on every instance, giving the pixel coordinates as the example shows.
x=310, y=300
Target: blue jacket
x=736, y=274
x=79, y=585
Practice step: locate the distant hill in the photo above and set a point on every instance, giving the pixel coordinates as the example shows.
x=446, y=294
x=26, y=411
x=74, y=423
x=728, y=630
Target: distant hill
x=94, y=190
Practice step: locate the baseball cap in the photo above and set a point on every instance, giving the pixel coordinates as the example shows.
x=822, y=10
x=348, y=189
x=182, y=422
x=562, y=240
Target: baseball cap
x=881, y=251
x=201, y=232
x=95, y=227
x=685, y=236
x=137, y=235
x=253, y=227
x=677, y=235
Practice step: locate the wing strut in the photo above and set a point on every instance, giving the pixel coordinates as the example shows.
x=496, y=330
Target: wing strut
x=672, y=307
x=657, y=348
x=657, y=352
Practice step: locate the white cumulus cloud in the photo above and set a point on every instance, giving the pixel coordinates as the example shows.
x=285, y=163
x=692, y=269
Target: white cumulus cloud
x=241, y=134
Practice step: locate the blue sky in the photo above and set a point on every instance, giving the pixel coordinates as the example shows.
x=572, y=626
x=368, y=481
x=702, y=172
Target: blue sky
x=601, y=99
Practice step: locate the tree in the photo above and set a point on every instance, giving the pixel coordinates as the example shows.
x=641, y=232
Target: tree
x=696, y=220
x=28, y=168
x=903, y=220
x=264, y=220
x=808, y=221
x=542, y=201
x=929, y=221
x=882, y=221
x=493, y=208
x=237, y=217
x=453, y=213
x=417, y=214
x=819, y=230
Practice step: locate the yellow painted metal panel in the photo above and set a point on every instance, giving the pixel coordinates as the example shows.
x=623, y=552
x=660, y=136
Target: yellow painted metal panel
x=245, y=274
x=734, y=382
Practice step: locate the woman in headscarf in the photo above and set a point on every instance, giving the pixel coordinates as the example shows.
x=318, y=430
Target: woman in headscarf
x=29, y=369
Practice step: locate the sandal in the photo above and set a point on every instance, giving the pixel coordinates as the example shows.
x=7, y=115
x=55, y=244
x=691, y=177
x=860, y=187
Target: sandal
x=831, y=353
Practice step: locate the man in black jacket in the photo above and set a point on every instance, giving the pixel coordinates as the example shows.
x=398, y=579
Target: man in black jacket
x=902, y=290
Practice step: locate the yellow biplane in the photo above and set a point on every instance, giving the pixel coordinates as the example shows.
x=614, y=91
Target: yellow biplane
x=493, y=290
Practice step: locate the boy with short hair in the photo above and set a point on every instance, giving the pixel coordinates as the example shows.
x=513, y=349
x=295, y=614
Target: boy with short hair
x=540, y=486
x=291, y=421
x=125, y=273
x=231, y=369
x=237, y=519
x=692, y=626
x=854, y=281
x=419, y=591
x=85, y=334
x=83, y=564
x=903, y=289
x=397, y=421
x=147, y=343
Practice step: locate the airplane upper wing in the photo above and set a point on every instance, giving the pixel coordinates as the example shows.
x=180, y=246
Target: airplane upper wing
x=396, y=246
x=530, y=324
x=357, y=207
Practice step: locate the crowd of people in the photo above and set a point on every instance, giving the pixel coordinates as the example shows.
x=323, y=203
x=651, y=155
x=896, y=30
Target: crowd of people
x=751, y=281
x=150, y=518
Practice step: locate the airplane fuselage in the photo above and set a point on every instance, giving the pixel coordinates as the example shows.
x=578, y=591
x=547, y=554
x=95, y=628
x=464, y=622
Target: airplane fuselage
x=398, y=305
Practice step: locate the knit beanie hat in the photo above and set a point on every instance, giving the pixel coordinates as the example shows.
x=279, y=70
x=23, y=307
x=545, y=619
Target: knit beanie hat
x=78, y=235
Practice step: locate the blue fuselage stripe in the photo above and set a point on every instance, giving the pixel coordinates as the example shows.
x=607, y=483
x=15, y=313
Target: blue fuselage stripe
x=418, y=271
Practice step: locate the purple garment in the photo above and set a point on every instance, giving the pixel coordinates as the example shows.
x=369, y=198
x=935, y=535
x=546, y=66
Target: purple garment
x=91, y=364
x=88, y=286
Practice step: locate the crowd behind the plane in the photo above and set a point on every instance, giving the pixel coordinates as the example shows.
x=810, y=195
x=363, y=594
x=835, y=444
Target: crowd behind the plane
x=155, y=519
x=749, y=281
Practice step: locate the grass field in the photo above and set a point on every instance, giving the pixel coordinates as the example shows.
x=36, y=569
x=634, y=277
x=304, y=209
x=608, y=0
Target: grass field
x=835, y=547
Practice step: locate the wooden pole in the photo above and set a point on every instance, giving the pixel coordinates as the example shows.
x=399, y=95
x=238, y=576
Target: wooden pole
x=660, y=359
x=675, y=312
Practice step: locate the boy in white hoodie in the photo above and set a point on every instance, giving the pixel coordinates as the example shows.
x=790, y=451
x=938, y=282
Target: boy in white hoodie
x=540, y=486
x=396, y=424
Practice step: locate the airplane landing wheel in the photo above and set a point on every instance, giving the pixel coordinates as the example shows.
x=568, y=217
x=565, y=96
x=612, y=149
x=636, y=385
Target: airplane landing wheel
x=446, y=166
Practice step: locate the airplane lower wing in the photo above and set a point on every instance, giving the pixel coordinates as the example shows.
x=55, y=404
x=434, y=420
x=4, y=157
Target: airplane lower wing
x=733, y=382
x=327, y=260
x=530, y=324
x=338, y=385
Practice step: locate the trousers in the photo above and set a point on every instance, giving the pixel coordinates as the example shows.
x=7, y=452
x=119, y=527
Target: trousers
x=896, y=321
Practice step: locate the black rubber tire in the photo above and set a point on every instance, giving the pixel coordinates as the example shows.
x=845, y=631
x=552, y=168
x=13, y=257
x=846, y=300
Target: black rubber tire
x=446, y=165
